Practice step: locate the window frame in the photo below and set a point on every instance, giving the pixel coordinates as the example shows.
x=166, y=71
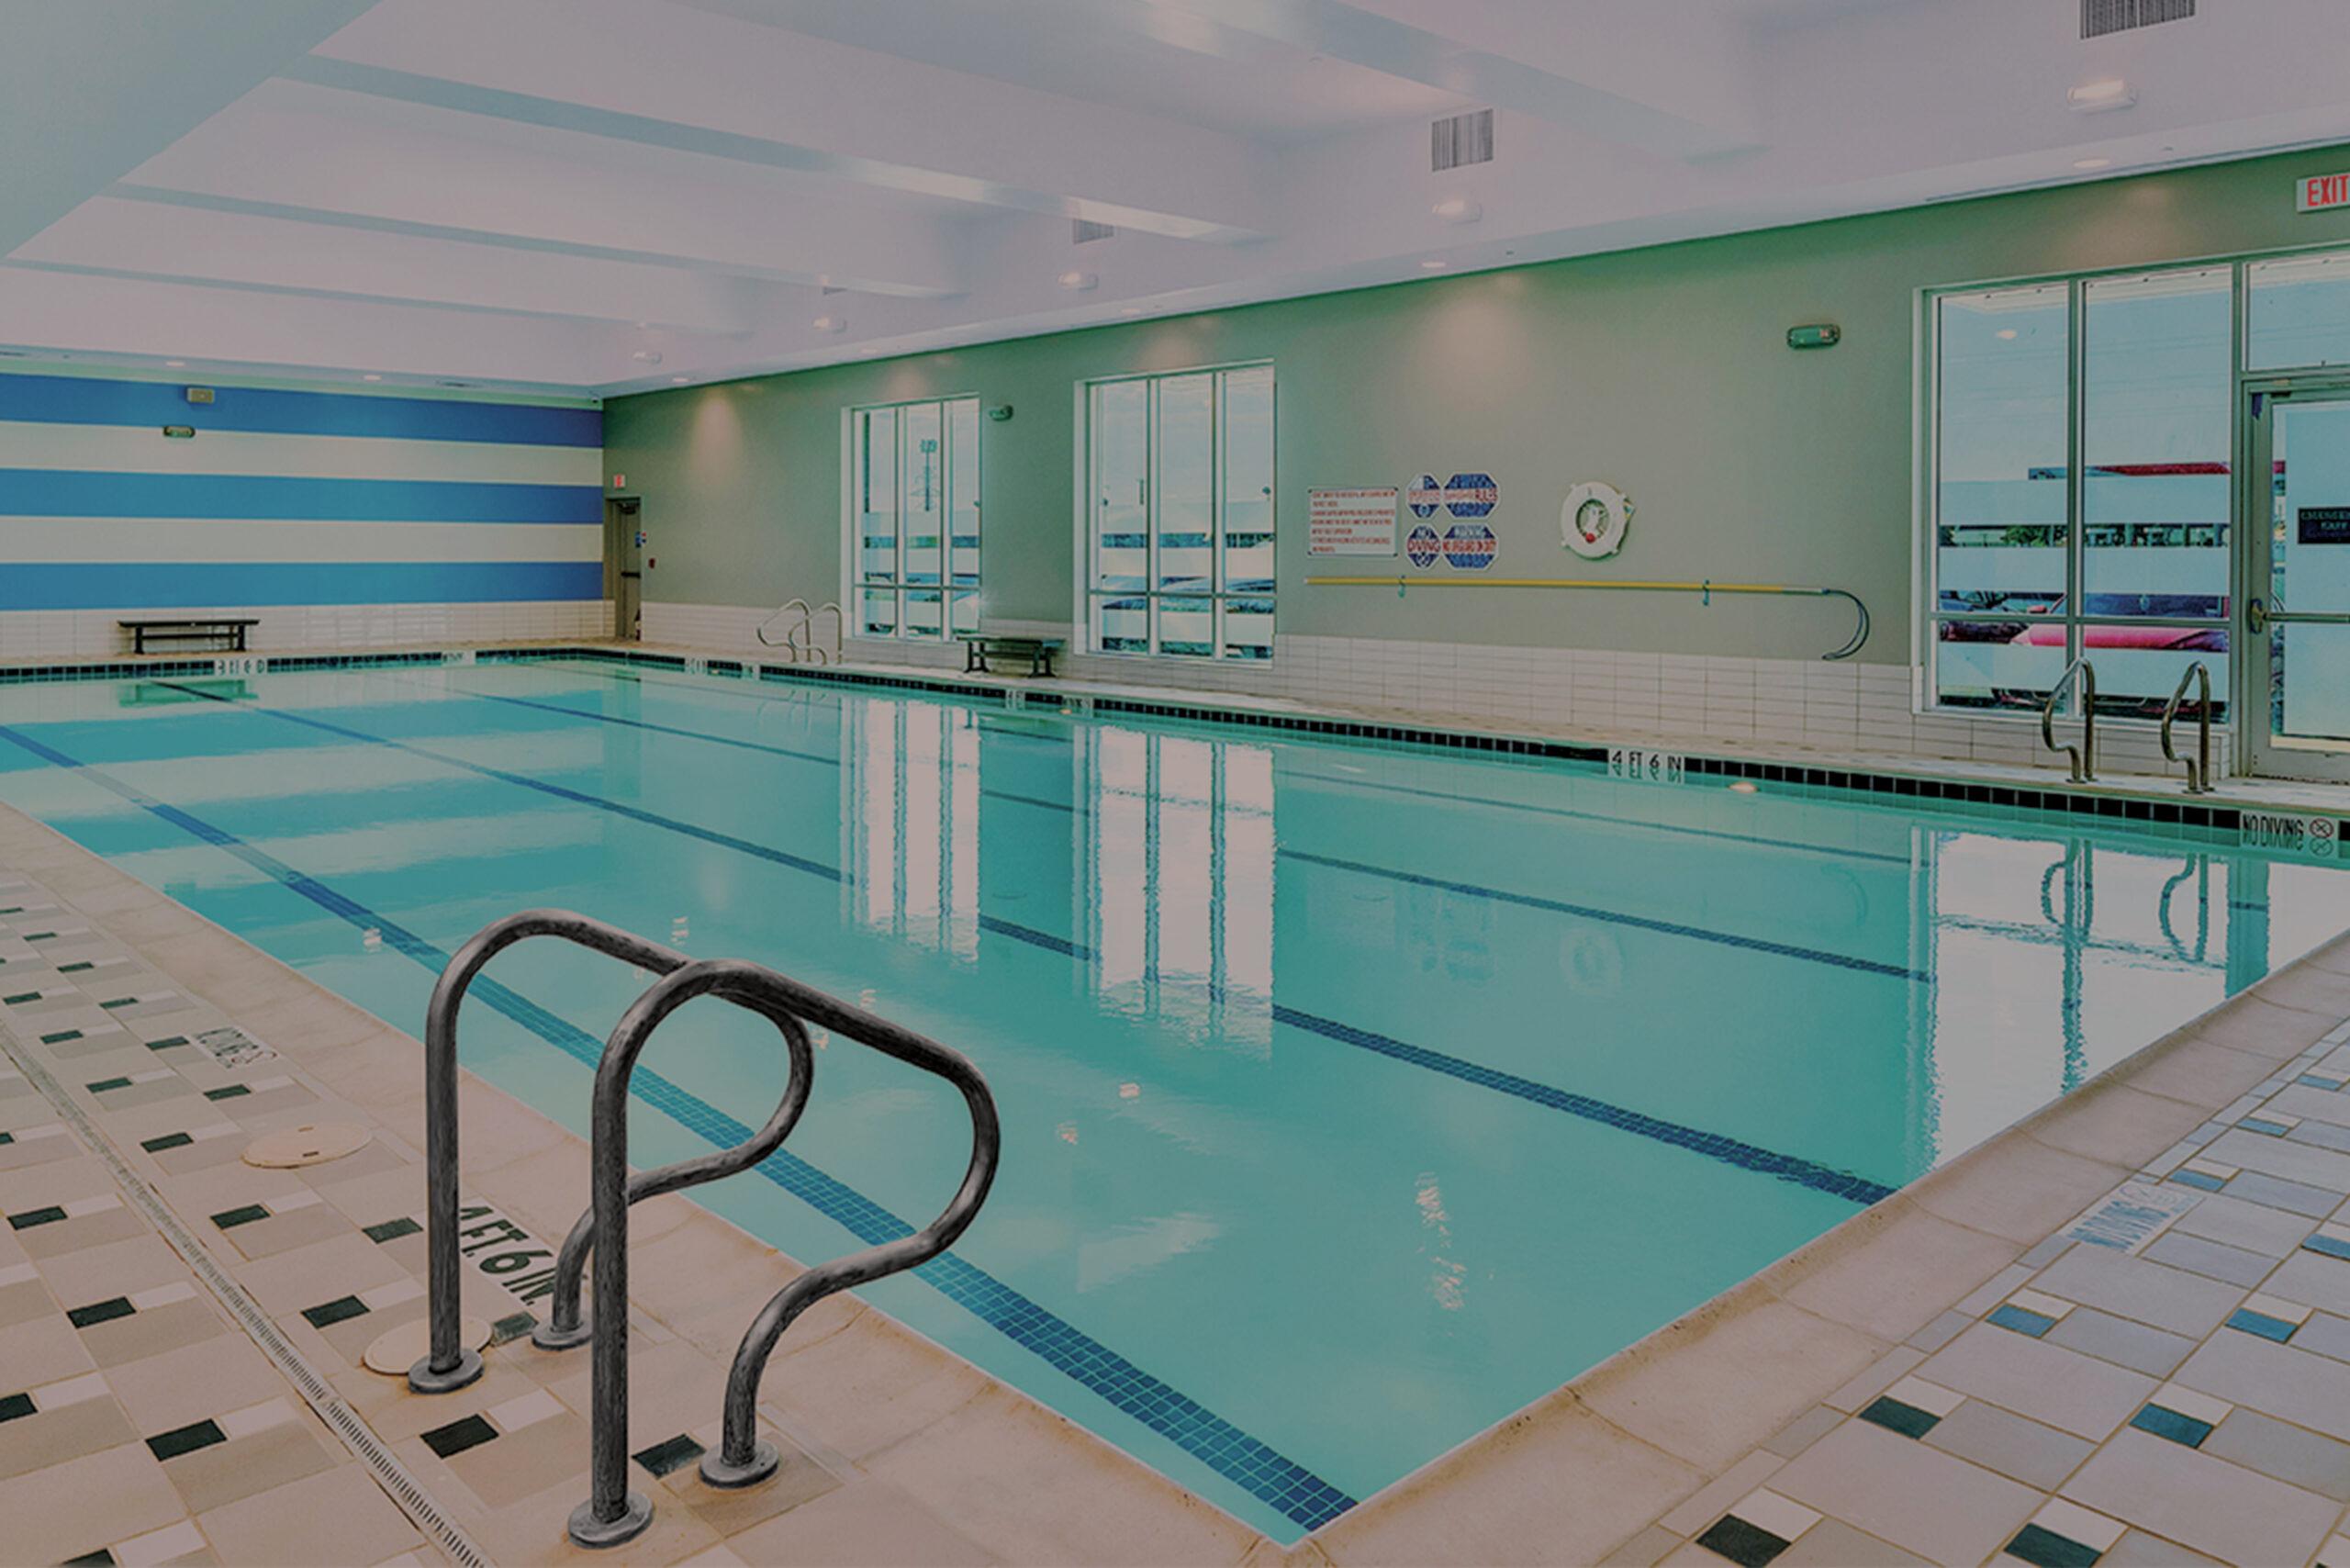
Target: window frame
x=1928, y=617
x=854, y=585
x=1218, y=594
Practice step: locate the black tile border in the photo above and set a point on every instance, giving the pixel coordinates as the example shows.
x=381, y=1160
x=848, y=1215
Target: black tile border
x=2220, y=823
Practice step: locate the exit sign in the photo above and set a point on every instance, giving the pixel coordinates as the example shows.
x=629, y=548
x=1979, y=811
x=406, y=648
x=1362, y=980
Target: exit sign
x=2320, y=192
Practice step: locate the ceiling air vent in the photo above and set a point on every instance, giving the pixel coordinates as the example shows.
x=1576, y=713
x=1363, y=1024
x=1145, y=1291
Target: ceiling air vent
x=1084, y=230
x=1461, y=140
x=2100, y=17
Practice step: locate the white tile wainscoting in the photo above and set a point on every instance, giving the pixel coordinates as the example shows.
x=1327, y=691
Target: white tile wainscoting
x=1797, y=702
x=93, y=633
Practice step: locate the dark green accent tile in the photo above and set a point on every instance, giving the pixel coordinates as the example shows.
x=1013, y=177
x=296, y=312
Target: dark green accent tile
x=186, y=1439
x=101, y=1312
x=335, y=1311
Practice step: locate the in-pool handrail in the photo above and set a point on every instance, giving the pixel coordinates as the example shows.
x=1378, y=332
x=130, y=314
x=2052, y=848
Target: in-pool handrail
x=566, y=1327
x=740, y=1458
x=2199, y=767
x=613, y=1514
x=449, y=1365
x=806, y=615
x=2084, y=756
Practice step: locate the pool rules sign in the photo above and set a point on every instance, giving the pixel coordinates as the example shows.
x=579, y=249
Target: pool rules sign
x=1355, y=521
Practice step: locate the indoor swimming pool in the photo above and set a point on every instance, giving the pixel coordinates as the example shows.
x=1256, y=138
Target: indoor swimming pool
x=1353, y=1095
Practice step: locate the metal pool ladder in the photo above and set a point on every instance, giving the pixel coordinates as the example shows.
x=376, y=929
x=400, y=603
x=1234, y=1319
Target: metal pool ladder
x=2084, y=756
x=805, y=626
x=2199, y=767
x=613, y=1514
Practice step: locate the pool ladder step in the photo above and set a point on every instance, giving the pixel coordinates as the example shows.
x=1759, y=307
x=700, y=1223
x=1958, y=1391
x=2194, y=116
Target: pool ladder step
x=613, y=1514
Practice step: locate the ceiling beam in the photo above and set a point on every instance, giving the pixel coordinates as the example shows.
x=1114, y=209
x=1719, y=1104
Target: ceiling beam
x=88, y=90
x=289, y=152
x=664, y=75
x=1360, y=35
x=110, y=236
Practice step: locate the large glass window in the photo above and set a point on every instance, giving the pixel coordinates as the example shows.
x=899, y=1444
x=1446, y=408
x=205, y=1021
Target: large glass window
x=2126, y=560
x=914, y=471
x=1179, y=515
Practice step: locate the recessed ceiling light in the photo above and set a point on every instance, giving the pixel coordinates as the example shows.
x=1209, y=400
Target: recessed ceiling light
x=2092, y=162
x=829, y=324
x=175, y=363
x=1077, y=280
x=2100, y=96
x=680, y=380
x=1434, y=266
x=370, y=375
x=1130, y=311
x=1743, y=787
x=1458, y=209
x=2006, y=334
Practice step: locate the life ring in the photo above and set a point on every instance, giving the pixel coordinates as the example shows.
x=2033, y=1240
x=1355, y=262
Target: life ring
x=1593, y=518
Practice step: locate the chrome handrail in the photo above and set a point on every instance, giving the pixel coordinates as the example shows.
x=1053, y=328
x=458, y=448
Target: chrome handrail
x=2083, y=756
x=565, y=1327
x=806, y=615
x=448, y=1365
x=808, y=624
x=613, y=1514
x=2199, y=767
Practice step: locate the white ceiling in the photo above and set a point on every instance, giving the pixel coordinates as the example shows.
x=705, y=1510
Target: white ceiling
x=549, y=193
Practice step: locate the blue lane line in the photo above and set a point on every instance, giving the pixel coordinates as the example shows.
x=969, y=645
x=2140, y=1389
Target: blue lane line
x=1747, y=1156
x=1035, y=938
x=1615, y=917
x=1585, y=912
x=1831, y=851
x=633, y=814
x=1279, y=1482
x=1599, y=1110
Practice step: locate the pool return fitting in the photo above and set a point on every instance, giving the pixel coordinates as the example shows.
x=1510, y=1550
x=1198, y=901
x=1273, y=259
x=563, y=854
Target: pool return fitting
x=613, y=1514
x=1705, y=589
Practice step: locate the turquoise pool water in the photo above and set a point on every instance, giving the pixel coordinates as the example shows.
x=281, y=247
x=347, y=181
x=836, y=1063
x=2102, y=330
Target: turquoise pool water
x=1353, y=1096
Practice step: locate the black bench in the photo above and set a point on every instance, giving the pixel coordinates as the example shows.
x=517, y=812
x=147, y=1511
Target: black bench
x=979, y=646
x=186, y=629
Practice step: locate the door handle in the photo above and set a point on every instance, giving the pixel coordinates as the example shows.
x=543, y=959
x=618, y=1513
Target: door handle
x=2255, y=614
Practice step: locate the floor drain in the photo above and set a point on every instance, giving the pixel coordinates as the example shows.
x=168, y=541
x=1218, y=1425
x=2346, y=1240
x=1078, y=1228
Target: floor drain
x=313, y=1143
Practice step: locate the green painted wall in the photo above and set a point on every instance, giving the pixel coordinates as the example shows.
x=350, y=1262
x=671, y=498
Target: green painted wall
x=1664, y=371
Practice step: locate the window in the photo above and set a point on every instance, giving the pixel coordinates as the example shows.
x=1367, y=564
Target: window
x=2127, y=560
x=1179, y=514
x=914, y=484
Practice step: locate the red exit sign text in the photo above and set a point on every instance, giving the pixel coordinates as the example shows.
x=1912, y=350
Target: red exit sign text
x=2320, y=192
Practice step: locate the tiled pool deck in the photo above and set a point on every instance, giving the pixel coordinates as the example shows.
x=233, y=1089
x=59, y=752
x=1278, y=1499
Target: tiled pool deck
x=1951, y=1376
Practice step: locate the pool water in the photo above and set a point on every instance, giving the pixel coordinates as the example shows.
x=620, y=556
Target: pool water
x=1353, y=1096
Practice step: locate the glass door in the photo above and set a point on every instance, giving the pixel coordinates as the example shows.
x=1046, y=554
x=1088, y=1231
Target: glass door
x=2296, y=669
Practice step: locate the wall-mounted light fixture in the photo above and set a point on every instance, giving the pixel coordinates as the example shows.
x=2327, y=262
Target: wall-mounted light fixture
x=2102, y=97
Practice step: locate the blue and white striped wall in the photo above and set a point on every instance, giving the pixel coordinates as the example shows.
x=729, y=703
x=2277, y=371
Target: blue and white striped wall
x=338, y=519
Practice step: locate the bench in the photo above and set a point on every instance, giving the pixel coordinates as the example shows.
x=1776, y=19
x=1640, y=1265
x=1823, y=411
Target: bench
x=188, y=628
x=981, y=646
